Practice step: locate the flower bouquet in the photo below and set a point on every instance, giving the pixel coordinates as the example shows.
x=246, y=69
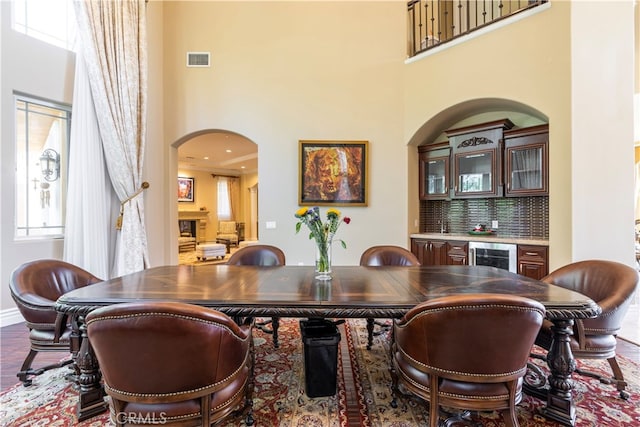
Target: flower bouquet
x=323, y=233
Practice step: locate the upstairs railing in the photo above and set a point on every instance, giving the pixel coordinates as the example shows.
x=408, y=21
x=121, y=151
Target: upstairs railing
x=434, y=22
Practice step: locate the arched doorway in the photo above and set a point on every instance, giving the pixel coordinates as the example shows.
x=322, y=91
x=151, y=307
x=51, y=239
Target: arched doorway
x=221, y=167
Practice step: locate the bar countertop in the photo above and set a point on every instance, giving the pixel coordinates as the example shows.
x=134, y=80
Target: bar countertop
x=496, y=238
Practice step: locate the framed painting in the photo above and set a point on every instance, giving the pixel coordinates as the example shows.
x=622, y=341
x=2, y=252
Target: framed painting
x=185, y=189
x=333, y=173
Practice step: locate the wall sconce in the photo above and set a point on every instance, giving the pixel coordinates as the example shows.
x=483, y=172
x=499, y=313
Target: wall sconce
x=50, y=164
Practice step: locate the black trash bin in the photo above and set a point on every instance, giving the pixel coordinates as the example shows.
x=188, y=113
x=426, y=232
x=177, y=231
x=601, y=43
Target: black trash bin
x=320, y=338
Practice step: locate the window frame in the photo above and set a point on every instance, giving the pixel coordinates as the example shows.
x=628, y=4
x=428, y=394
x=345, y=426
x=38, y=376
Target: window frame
x=25, y=182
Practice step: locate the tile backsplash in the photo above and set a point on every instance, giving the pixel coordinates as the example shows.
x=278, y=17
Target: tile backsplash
x=522, y=217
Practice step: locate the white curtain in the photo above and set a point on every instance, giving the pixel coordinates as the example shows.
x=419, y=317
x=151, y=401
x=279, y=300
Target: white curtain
x=91, y=201
x=113, y=41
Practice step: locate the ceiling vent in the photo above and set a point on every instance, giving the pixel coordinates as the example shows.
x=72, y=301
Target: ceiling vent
x=198, y=59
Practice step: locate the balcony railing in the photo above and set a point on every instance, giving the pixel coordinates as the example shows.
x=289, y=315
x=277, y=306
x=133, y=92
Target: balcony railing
x=435, y=22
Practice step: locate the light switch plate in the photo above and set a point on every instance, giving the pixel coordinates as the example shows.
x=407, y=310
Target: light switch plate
x=270, y=224
x=494, y=224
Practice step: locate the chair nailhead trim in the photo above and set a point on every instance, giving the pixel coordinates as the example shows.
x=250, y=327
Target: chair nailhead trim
x=210, y=386
x=432, y=368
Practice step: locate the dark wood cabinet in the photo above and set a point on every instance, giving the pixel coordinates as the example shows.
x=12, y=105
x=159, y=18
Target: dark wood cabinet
x=477, y=159
x=430, y=252
x=457, y=253
x=434, y=171
x=526, y=161
x=440, y=252
x=533, y=261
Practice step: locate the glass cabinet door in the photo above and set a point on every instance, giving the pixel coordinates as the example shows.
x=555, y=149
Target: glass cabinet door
x=434, y=175
x=526, y=168
x=474, y=172
x=526, y=161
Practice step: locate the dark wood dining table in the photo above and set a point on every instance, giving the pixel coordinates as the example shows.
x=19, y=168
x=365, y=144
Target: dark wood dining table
x=353, y=292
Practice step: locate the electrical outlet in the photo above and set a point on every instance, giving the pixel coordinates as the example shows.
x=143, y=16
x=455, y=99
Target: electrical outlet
x=494, y=224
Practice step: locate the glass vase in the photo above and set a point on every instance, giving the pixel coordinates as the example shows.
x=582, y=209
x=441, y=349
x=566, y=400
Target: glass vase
x=323, y=260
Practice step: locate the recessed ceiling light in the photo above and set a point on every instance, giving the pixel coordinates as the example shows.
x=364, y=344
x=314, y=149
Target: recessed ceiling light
x=227, y=150
x=206, y=158
x=241, y=167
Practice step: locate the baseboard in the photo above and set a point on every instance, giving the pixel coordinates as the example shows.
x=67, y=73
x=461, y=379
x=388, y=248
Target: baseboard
x=10, y=316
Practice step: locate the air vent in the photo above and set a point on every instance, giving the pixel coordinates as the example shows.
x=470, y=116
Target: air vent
x=198, y=59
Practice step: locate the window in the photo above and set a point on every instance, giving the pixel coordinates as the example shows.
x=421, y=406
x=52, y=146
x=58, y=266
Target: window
x=224, y=205
x=42, y=142
x=52, y=21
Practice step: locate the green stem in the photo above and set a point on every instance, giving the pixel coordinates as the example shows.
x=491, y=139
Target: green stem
x=323, y=261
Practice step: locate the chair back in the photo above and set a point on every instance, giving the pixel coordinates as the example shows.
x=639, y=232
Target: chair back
x=472, y=338
x=610, y=284
x=259, y=255
x=377, y=256
x=227, y=227
x=35, y=287
x=165, y=351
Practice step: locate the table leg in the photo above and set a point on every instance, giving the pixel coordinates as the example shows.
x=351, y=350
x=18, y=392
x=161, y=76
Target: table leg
x=560, y=406
x=91, y=402
x=275, y=324
x=370, y=326
x=559, y=396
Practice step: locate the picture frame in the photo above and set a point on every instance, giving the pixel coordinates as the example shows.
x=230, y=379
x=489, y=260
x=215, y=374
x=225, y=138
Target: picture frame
x=186, y=189
x=333, y=173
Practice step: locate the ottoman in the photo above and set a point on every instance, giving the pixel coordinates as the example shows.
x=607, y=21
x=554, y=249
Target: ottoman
x=210, y=250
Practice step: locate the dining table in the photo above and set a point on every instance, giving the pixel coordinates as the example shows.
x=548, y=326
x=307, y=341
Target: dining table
x=352, y=292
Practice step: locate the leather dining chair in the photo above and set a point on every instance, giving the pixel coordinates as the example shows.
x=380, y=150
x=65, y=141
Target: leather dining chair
x=35, y=286
x=385, y=255
x=467, y=352
x=172, y=363
x=262, y=256
x=611, y=285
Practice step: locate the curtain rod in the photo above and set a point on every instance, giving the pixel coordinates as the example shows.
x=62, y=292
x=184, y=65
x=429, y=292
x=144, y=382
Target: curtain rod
x=224, y=176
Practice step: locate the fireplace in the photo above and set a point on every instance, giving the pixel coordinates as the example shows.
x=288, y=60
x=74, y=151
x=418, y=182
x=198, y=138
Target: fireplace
x=194, y=222
x=187, y=226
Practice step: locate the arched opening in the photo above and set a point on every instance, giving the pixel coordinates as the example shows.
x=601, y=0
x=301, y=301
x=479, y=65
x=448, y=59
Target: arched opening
x=217, y=172
x=454, y=214
x=474, y=111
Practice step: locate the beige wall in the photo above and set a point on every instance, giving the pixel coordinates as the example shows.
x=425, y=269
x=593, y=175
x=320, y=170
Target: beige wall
x=602, y=167
x=160, y=170
x=285, y=71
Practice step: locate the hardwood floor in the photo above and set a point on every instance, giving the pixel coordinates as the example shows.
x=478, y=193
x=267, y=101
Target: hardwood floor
x=14, y=346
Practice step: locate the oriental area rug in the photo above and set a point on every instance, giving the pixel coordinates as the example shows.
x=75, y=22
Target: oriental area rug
x=280, y=398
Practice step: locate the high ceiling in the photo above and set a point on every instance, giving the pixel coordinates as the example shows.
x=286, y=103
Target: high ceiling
x=221, y=152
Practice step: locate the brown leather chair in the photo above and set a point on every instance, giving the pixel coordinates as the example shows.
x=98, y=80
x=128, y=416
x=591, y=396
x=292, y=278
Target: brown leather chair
x=172, y=363
x=35, y=286
x=611, y=285
x=385, y=255
x=262, y=256
x=466, y=352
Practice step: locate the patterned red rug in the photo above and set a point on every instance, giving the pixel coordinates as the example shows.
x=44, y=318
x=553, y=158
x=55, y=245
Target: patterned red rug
x=280, y=399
